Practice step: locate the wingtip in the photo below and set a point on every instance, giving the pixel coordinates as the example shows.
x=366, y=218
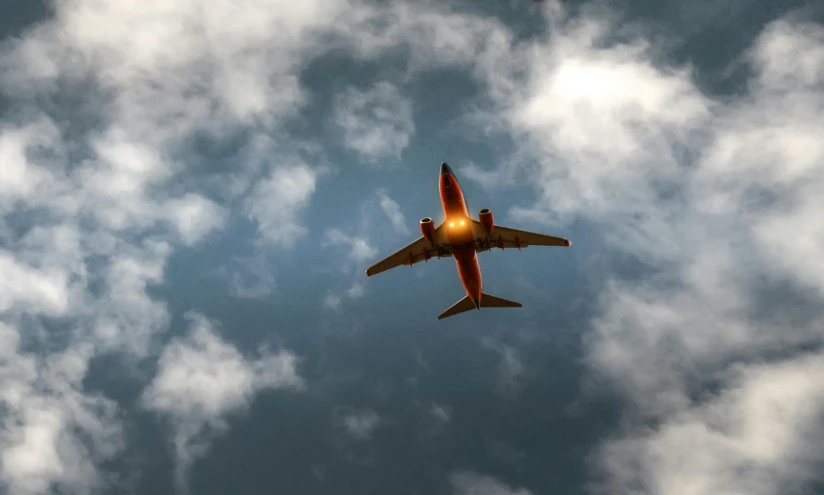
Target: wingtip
x=367, y=273
x=569, y=243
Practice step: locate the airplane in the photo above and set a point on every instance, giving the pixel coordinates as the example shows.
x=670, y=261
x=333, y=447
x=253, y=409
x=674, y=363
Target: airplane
x=462, y=237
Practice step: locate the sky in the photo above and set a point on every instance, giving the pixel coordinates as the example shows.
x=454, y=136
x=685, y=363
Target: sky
x=190, y=193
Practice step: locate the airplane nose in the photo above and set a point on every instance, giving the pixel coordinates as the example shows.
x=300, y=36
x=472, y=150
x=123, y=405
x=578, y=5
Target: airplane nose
x=445, y=169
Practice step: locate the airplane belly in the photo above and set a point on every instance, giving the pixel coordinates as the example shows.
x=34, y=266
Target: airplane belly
x=460, y=234
x=469, y=271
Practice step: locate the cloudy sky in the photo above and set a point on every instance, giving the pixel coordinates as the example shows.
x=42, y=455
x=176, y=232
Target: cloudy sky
x=190, y=193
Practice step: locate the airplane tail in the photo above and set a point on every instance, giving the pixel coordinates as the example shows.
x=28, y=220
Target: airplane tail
x=487, y=301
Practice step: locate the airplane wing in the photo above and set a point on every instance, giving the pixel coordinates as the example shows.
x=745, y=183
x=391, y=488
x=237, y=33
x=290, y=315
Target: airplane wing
x=504, y=237
x=417, y=251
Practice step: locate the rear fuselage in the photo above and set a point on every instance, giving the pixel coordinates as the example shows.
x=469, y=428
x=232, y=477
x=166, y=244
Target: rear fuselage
x=459, y=232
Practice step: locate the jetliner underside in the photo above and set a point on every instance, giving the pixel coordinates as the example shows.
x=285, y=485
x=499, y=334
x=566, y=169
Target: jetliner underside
x=461, y=237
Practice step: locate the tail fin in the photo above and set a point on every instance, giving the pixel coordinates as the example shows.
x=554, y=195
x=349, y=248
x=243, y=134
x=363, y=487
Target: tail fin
x=490, y=301
x=487, y=301
x=464, y=304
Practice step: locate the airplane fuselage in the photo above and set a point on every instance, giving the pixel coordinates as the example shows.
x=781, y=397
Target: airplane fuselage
x=461, y=237
x=459, y=232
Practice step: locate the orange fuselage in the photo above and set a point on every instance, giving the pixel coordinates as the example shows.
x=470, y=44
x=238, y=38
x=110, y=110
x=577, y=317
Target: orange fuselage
x=459, y=233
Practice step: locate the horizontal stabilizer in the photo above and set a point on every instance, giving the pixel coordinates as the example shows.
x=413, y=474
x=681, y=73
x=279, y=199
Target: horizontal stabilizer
x=490, y=301
x=464, y=304
x=487, y=301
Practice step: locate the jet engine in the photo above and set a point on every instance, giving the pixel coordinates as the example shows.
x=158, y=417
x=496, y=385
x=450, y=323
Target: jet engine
x=428, y=229
x=485, y=216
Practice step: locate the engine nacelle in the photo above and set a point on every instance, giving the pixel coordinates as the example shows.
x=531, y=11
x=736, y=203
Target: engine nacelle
x=428, y=229
x=485, y=216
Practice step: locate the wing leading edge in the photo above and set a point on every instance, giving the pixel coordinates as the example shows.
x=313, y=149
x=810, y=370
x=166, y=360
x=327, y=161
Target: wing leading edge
x=505, y=237
x=415, y=252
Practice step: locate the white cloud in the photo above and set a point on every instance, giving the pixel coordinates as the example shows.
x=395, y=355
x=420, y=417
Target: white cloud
x=377, y=123
x=126, y=318
x=360, y=424
x=392, y=210
x=18, y=178
x=196, y=216
x=606, y=124
x=765, y=422
x=355, y=291
x=276, y=202
x=55, y=431
x=470, y=483
x=509, y=370
x=436, y=35
x=23, y=286
x=108, y=191
x=612, y=113
x=488, y=179
x=52, y=432
x=202, y=379
x=183, y=60
x=360, y=250
x=718, y=198
x=334, y=300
